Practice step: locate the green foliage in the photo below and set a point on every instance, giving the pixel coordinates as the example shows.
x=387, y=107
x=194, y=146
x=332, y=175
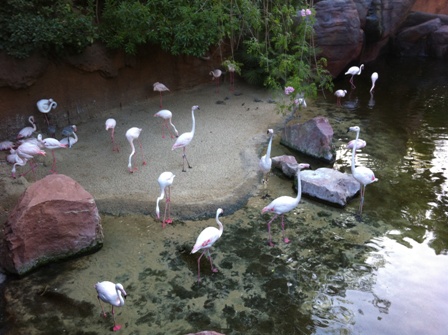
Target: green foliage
x=50, y=27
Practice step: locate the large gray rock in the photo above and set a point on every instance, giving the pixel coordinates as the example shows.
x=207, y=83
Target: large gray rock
x=288, y=165
x=313, y=138
x=54, y=219
x=329, y=185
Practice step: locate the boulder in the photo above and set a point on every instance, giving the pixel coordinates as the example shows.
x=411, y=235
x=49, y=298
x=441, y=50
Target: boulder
x=329, y=185
x=54, y=219
x=313, y=138
x=439, y=43
x=288, y=165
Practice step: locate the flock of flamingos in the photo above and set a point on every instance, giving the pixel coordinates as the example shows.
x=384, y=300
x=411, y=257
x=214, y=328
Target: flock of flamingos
x=26, y=147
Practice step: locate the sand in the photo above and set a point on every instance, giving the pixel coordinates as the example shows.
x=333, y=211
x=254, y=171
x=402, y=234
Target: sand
x=229, y=138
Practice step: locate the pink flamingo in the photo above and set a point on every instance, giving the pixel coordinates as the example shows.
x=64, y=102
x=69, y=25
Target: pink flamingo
x=231, y=69
x=340, y=94
x=358, y=144
x=166, y=115
x=52, y=144
x=20, y=162
x=6, y=145
x=159, y=87
x=216, y=74
x=133, y=134
x=27, y=131
x=363, y=175
x=265, y=162
x=45, y=106
x=110, y=124
x=183, y=140
x=374, y=78
x=165, y=181
x=205, y=241
x=353, y=71
x=28, y=150
x=113, y=294
x=284, y=204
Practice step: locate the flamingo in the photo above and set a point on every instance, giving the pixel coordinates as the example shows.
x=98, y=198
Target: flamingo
x=133, y=134
x=159, y=87
x=52, y=144
x=231, y=69
x=165, y=181
x=6, y=145
x=19, y=161
x=216, y=74
x=70, y=141
x=265, y=162
x=205, y=241
x=363, y=175
x=166, y=115
x=183, y=140
x=27, y=131
x=110, y=124
x=374, y=78
x=353, y=71
x=68, y=132
x=45, y=106
x=358, y=144
x=13, y=156
x=28, y=150
x=340, y=94
x=113, y=294
x=284, y=204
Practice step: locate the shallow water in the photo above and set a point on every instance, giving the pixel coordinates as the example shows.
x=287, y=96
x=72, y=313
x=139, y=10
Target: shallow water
x=385, y=274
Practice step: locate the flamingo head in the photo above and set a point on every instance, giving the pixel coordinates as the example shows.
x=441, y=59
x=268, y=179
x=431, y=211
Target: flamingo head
x=270, y=132
x=302, y=166
x=354, y=128
x=195, y=108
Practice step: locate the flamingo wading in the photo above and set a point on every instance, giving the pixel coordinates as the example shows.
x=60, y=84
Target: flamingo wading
x=165, y=181
x=131, y=135
x=205, y=241
x=374, y=78
x=339, y=94
x=113, y=294
x=353, y=71
x=183, y=140
x=362, y=174
x=284, y=204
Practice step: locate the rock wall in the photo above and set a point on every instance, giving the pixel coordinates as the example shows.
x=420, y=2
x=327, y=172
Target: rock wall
x=431, y=6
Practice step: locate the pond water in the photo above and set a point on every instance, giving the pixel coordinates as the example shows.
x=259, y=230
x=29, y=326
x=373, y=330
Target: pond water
x=383, y=274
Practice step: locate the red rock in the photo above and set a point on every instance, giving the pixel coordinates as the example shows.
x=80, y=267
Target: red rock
x=53, y=220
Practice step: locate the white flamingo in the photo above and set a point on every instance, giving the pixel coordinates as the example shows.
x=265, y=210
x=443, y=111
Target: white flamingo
x=27, y=131
x=45, y=106
x=363, y=175
x=353, y=71
x=113, y=294
x=166, y=115
x=284, y=204
x=131, y=135
x=70, y=140
x=159, y=87
x=165, y=181
x=216, y=74
x=205, y=241
x=53, y=144
x=111, y=124
x=374, y=78
x=339, y=94
x=183, y=140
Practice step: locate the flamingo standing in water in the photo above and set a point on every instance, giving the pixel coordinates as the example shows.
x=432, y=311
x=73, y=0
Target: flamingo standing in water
x=166, y=115
x=340, y=94
x=52, y=144
x=353, y=71
x=27, y=131
x=133, y=134
x=205, y=241
x=159, y=87
x=113, y=294
x=216, y=74
x=110, y=124
x=183, y=140
x=363, y=175
x=265, y=162
x=374, y=78
x=165, y=181
x=45, y=106
x=284, y=204
x=357, y=144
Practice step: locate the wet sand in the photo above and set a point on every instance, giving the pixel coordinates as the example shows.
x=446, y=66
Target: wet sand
x=230, y=136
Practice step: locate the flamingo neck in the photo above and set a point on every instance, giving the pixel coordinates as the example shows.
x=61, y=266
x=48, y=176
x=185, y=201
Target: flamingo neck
x=299, y=187
x=353, y=152
x=268, y=151
x=132, y=153
x=120, y=297
x=194, y=123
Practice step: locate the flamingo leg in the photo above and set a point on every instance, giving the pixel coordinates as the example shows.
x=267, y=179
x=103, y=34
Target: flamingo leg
x=199, y=266
x=116, y=327
x=103, y=314
x=184, y=156
x=361, y=203
x=167, y=207
x=32, y=166
x=211, y=262
x=351, y=82
x=285, y=239
x=160, y=100
x=269, y=231
x=141, y=149
x=114, y=145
